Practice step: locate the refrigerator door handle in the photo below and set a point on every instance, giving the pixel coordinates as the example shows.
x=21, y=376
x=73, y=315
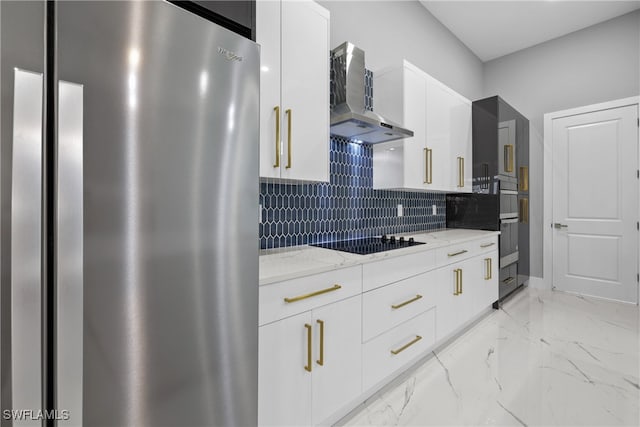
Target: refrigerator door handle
x=70, y=251
x=26, y=238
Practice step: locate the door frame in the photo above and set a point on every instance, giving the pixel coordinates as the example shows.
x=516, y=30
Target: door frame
x=547, y=234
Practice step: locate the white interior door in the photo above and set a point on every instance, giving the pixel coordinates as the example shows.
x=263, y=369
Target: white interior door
x=595, y=203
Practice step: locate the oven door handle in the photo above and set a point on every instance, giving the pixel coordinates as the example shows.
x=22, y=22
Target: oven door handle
x=509, y=221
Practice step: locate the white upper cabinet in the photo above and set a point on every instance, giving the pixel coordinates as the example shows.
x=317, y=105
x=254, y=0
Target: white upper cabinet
x=294, y=89
x=438, y=157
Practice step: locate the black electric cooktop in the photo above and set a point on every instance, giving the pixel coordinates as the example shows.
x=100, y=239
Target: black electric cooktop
x=369, y=245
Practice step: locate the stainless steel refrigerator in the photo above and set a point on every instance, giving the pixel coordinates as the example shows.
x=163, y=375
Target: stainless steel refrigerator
x=129, y=188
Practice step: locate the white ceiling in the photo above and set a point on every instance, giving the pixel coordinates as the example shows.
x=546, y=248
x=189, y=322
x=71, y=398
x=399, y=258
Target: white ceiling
x=492, y=29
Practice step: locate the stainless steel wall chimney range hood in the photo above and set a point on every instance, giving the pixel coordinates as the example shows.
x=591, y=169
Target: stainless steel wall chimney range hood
x=349, y=118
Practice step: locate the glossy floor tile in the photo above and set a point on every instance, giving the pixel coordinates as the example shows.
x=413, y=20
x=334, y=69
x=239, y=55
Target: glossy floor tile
x=545, y=359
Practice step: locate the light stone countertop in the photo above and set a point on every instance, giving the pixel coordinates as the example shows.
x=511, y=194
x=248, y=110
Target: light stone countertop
x=288, y=263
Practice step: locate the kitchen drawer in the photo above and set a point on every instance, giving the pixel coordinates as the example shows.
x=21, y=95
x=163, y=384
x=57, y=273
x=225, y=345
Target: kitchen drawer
x=458, y=252
x=387, y=271
x=379, y=359
x=487, y=245
x=391, y=305
x=307, y=293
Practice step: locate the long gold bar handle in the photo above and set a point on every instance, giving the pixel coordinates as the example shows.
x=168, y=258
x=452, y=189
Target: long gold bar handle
x=320, y=361
x=460, y=280
x=406, y=346
x=277, y=110
x=397, y=306
x=426, y=165
x=508, y=161
x=430, y=150
x=288, y=113
x=460, y=172
x=508, y=280
x=486, y=245
x=457, y=288
x=309, y=340
x=464, y=251
x=524, y=178
x=489, y=267
x=524, y=210
x=313, y=294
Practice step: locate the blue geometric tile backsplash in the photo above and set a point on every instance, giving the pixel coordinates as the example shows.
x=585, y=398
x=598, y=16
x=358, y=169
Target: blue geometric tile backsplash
x=345, y=208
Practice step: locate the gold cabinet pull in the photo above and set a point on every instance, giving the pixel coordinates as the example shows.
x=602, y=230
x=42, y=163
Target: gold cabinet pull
x=460, y=172
x=397, y=306
x=308, y=366
x=407, y=345
x=320, y=361
x=508, y=280
x=457, y=285
x=486, y=245
x=430, y=150
x=524, y=178
x=288, y=113
x=524, y=210
x=488, y=265
x=464, y=251
x=313, y=294
x=277, y=110
x=508, y=158
x=460, y=273
x=428, y=166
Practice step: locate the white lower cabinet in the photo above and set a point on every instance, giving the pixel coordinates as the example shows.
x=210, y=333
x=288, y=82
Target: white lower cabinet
x=468, y=287
x=329, y=340
x=339, y=379
x=310, y=365
x=486, y=286
x=284, y=384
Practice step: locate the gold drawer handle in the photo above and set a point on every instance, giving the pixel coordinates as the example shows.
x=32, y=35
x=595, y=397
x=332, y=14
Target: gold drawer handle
x=464, y=251
x=320, y=361
x=508, y=280
x=489, y=266
x=486, y=245
x=406, y=346
x=277, y=110
x=309, y=365
x=395, y=307
x=313, y=294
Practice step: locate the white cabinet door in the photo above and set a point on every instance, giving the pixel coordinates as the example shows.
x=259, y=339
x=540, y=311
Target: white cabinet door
x=446, y=310
x=438, y=137
x=415, y=110
x=337, y=361
x=305, y=91
x=268, y=36
x=486, y=281
x=294, y=89
x=456, y=296
x=460, y=143
x=284, y=383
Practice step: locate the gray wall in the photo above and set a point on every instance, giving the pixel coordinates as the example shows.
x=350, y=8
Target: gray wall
x=596, y=64
x=390, y=31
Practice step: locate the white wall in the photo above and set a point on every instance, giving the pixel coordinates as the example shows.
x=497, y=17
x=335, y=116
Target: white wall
x=390, y=31
x=596, y=64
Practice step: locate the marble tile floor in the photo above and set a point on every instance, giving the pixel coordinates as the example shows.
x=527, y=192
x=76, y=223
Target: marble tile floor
x=545, y=359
